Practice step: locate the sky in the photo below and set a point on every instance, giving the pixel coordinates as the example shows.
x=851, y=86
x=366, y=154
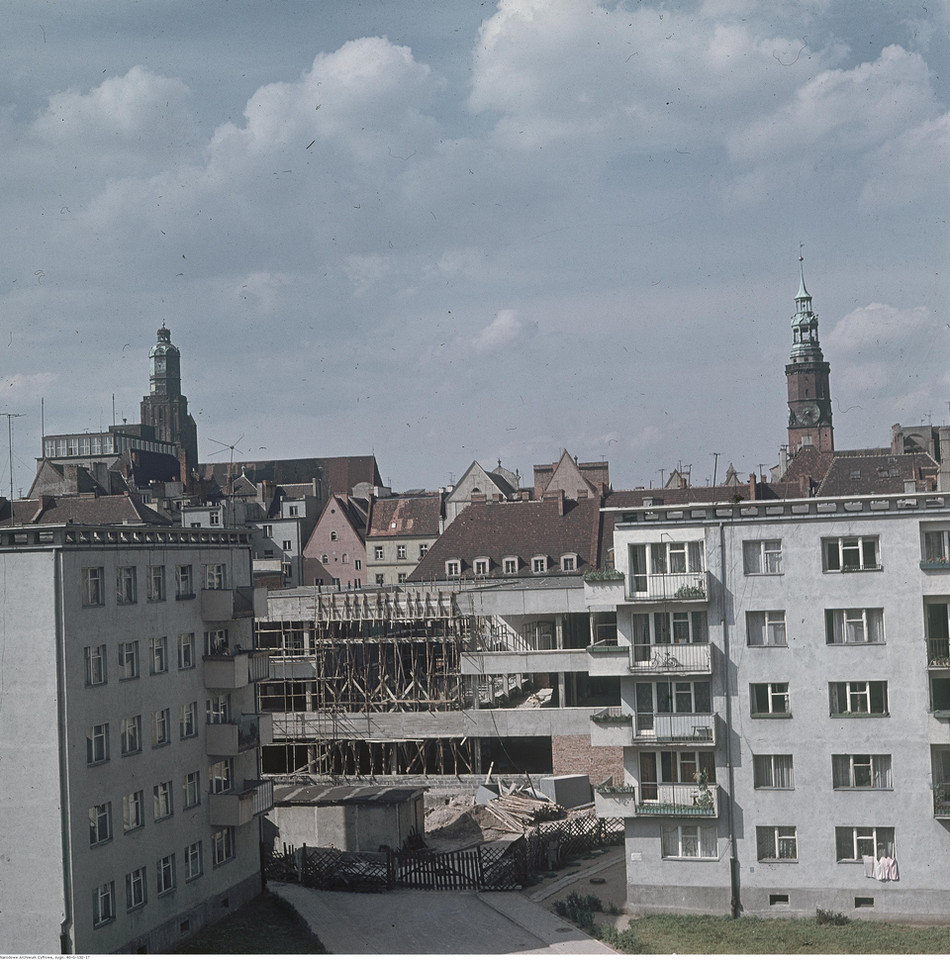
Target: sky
x=450, y=231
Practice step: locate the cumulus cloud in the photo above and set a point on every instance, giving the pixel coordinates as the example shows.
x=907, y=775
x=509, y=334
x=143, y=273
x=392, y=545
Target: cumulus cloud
x=876, y=326
x=503, y=330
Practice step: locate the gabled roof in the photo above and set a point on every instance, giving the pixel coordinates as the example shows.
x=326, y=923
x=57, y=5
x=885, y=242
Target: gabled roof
x=63, y=479
x=351, y=510
x=119, y=508
x=521, y=528
x=339, y=474
x=854, y=473
x=405, y=517
x=571, y=477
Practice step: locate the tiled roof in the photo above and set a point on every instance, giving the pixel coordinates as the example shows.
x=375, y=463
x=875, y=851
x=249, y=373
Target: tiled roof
x=340, y=474
x=520, y=528
x=405, y=517
x=119, y=508
x=861, y=474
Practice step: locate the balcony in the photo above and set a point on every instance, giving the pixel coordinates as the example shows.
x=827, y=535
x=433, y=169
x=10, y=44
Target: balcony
x=607, y=658
x=236, y=604
x=658, y=800
x=938, y=653
x=614, y=728
x=671, y=658
x=942, y=801
x=650, y=587
x=611, y=728
x=236, y=808
x=233, y=671
x=250, y=732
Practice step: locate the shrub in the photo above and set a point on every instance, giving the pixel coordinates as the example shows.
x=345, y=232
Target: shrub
x=579, y=910
x=831, y=918
x=624, y=941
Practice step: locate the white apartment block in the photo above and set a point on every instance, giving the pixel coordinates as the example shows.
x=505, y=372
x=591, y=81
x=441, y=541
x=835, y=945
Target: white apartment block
x=785, y=699
x=129, y=742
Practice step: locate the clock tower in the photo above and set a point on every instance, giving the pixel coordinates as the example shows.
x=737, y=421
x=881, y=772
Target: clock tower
x=809, y=395
x=165, y=409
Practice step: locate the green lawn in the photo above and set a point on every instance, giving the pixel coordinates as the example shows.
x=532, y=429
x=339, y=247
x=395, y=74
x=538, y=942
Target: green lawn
x=265, y=925
x=667, y=934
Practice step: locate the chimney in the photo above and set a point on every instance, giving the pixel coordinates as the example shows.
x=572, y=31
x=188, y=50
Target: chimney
x=751, y=486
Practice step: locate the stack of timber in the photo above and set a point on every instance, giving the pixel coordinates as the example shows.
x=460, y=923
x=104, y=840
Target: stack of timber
x=517, y=811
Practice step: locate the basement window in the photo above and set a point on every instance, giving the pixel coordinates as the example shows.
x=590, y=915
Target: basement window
x=778, y=899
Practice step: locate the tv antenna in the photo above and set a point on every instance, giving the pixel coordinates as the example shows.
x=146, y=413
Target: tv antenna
x=10, y=418
x=231, y=447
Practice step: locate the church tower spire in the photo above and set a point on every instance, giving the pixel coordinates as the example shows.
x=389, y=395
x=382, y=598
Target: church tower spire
x=807, y=373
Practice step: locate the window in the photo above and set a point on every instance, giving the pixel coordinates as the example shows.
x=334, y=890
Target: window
x=770, y=699
x=861, y=697
x=401, y=577
x=668, y=696
x=380, y=580
x=325, y=558
x=186, y=651
x=214, y=518
x=857, y=771
x=162, y=800
x=683, y=626
x=569, y=562
x=481, y=567
x=685, y=766
x=293, y=510
x=766, y=628
x=690, y=840
x=130, y=730
x=156, y=583
x=128, y=660
x=668, y=557
x=848, y=554
x=95, y=665
x=125, y=587
x=166, y=874
x=287, y=545
x=378, y=552
x=286, y=570
x=762, y=557
x=103, y=904
x=161, y=728
x=215, y=576
x=220, y=776
x=510, y=564
x=855, y=843
x=97, y=743
x=192, y=861
x=158, y=648
x=135, y=891
x=936, y=546
x=191, y=786
x=776, y=843
x=188, y=720
x=423, y=550
x=357, y=564
x=218, y=709
x=453, y=568
x=858, y=625
x=539, y=564
x=222, y=846
x=184, y=583
x=133, y=811
x=772, y=771
x=100, y=823
x=93, y=594
x=401, y=551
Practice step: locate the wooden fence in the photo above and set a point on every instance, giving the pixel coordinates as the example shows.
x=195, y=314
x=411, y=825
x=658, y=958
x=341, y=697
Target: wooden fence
x=485, y=867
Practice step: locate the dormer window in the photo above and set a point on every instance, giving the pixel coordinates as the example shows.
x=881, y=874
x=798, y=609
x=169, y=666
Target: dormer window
x=569, y=562
x=333, y=534
x=481, y=566
x=539, y=564
x=510, y=565
x=453, y=568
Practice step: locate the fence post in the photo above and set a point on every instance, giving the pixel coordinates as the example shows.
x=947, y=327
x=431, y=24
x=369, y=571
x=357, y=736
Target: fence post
x=301, y=864
x=390, y=870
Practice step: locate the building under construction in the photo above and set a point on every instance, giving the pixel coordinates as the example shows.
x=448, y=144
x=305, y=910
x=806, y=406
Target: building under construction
x=431, y=679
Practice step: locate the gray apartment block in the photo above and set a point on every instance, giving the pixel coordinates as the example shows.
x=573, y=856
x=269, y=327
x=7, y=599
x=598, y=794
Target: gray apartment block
x=785, y=698
x=130, y=792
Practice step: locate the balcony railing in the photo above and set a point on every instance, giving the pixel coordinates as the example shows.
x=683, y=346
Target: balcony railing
x=667, y=658
x=938, y=652
x=249, y=732
x=236, y=808
x=232, y=671
x=699, y=728
x=668, y=586
x=938, y=563
x=228, y=604
x=658, y=800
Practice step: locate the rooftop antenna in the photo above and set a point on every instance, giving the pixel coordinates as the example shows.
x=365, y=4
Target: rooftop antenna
x=231, y=447
x=10, y=417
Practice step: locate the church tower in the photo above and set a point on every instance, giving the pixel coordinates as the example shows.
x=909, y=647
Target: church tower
x=165, y=409
x=809, y=395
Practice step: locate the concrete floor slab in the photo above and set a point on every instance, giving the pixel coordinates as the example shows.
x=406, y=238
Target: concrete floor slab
x=421, y=922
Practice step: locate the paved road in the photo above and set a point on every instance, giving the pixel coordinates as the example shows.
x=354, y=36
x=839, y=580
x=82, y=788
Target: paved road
x=419, y=922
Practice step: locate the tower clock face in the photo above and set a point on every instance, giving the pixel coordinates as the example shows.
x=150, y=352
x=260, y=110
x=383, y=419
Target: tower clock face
x=808, y=414
x=159, y=364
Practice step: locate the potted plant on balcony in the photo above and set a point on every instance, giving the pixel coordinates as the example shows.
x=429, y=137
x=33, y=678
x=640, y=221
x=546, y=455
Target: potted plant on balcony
x=703, y=796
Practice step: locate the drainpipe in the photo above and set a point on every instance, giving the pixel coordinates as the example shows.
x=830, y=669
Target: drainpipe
x=65, y=932
x=733, y=859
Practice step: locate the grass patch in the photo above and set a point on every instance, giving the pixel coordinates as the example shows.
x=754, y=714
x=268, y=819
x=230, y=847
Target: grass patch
x=669, y=934
x=265, y=925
